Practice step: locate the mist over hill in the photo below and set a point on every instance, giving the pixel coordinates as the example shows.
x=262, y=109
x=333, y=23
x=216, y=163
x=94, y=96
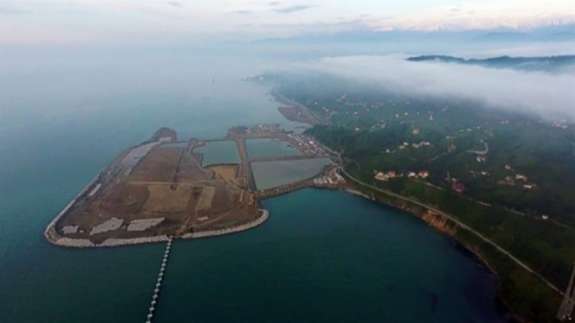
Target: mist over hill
x=541, y=63
x=505, y=89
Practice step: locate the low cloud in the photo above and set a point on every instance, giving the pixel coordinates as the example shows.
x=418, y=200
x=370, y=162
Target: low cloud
x=547, y=95
x=176, y=4
x=483, y=15
x=12, y=10
x=243, y=12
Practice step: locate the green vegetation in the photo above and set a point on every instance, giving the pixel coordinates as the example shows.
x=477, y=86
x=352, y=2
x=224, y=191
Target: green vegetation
x=528, y=163
x=514, y=171
x=523, y=293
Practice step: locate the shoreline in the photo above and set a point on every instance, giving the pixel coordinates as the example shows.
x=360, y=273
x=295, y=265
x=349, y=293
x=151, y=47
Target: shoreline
x=474, y=254
x=239, y=228
x=56, y=239
x=448, y=227
x=456, y=223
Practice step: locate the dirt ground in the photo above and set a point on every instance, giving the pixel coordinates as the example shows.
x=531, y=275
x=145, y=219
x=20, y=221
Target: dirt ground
x=228, y=173
x=168, y=183
x=158, y=166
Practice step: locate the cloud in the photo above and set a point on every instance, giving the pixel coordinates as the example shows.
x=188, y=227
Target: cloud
x=546, y=95
x=207, y=19
x=243, y=12
x=471, y=15
x=291, y=9
x=11, y=10
x=176, y=4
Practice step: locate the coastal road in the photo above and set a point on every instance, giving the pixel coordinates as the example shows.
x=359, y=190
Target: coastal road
x=460, y=224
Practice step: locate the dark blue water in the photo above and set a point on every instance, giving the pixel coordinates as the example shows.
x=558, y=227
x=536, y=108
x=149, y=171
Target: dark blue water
x=328, y=257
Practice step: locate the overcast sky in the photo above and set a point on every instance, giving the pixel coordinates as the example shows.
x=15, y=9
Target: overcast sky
x=40, y=21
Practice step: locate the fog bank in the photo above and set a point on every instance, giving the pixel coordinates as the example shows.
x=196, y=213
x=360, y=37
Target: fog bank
x=547, y=95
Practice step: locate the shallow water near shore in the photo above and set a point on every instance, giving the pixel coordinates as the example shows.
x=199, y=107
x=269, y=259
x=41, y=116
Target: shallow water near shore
x=321, y=257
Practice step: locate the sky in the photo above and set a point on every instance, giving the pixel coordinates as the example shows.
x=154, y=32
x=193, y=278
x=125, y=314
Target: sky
x=57, y=21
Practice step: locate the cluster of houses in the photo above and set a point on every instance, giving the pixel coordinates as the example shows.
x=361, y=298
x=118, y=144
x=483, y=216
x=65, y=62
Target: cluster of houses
x=482, y=173
x=516, y=179
x=305, y=144
x=398, y=115
x=386, y=176
x=457, y=186
x=562, y=124
x=332, y=178
x=415, y=145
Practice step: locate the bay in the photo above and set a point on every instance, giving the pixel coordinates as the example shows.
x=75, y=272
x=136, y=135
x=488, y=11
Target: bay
x=322, y=256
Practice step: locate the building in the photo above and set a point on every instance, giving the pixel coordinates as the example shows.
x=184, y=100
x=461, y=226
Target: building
x=380, y=176
x=458, y=186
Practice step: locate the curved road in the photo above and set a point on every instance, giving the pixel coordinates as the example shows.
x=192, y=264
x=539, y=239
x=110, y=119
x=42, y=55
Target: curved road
x=460, y=224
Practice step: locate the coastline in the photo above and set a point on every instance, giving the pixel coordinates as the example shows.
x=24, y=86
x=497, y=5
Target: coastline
x=476, y=244
x=52, y=235
x=54, y=238
x=457, y=223
x=448, y=227
x=240, y=228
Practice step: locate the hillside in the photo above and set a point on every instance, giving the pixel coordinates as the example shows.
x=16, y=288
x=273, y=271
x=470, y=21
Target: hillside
x=543, y=63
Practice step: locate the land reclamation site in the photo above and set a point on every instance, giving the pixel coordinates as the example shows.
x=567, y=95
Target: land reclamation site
x=163, y=188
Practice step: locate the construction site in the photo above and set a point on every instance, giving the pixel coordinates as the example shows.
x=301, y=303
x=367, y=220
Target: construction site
x=161, y=189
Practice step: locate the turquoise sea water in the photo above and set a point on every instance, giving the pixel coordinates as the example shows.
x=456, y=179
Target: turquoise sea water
x=322, y=256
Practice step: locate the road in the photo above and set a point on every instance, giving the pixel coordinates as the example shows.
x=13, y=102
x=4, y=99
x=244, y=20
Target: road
x=460, y=224
x=245, y=171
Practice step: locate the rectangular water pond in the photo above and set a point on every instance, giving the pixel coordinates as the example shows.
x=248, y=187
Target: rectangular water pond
x=276, y=173
x=268, y=147
x=219, y=152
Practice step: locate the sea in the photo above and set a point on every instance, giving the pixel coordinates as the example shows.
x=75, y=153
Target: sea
x=323, y=256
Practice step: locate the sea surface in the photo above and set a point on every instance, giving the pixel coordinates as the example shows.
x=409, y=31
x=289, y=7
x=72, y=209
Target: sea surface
x=321, y=257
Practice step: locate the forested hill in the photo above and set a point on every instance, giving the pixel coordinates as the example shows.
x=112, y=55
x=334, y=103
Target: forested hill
x=541, y=63
x=507, y=175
